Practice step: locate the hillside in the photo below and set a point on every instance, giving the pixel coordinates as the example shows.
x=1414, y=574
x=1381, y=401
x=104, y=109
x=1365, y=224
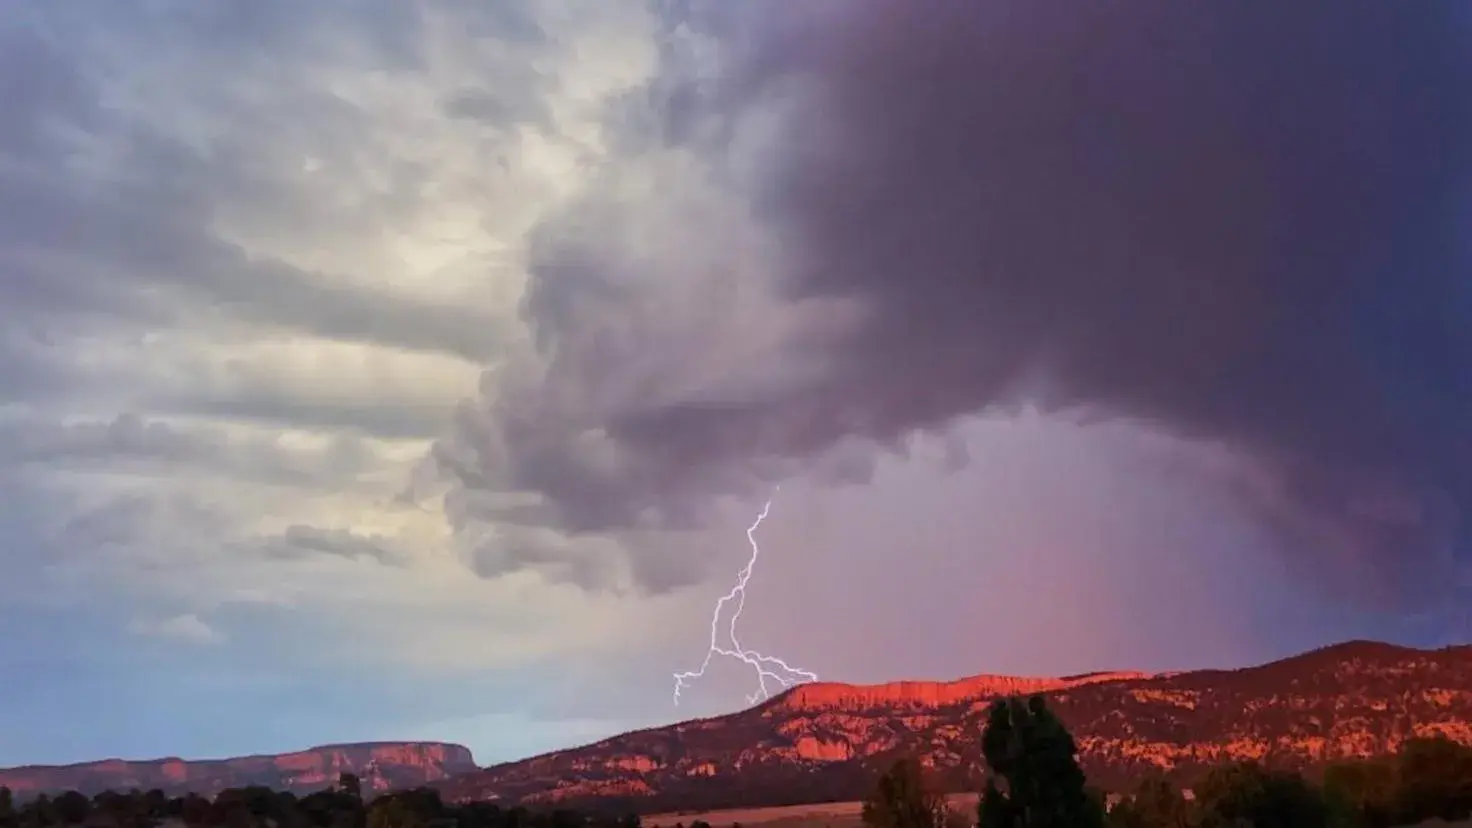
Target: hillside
x=380, y=766
x=823, y=742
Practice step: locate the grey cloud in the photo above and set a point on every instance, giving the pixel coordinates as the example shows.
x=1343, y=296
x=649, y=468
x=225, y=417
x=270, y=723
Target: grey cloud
x=132, y=240
x=264, y=403
x=300, y=540
x=1243, y=225
x=848, y=463
x=137, y=249
x=129, y=520
x=547, y=552
x=500, y=108
x=384, y=419
x=131, y=439
x=127, y=434
x=957, y=455
x=501, y=535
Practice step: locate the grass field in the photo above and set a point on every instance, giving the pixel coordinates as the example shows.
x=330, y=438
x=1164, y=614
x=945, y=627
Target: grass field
x=825, y=815
x=836, y=815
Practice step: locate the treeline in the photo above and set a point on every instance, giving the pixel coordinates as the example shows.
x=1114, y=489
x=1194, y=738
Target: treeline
x=1033, y=780
x=342, y=806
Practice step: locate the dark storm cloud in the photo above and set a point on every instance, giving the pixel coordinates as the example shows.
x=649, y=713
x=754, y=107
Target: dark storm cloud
x=1245, y=224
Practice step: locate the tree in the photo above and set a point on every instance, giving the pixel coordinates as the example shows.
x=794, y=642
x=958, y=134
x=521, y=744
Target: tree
x=903, y=798
x=72, y=807
x=1155, y=803
x=38, y=812
x=350, y=784
x=194, y=810
x=1034, y=780
x=1248, y=792
x=1362, y=793
x=259, y=807
x=395, y=812
x=1435, y=777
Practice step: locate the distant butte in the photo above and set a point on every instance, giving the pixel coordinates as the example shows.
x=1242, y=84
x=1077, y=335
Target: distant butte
x=380, y=766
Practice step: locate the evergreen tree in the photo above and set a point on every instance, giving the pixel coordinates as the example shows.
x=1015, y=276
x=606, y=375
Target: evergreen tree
x=1435, y=780
x=1155, y=803
x=1362, y=793
x=1249, y=793
x=1034, y=779
x=350, y=784
x=903, y=798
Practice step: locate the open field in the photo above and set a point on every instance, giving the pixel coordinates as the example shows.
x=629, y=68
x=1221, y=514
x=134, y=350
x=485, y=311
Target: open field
x=827, y=814
x=836, y=815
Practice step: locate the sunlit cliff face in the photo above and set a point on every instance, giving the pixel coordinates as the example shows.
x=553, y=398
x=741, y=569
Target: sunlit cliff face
x=820, y=695
x=1352, y=700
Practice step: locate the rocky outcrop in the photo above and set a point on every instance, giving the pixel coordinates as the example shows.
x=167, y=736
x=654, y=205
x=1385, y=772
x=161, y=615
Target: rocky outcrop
x=837, y=696
x=379, y=765
x=826, y=741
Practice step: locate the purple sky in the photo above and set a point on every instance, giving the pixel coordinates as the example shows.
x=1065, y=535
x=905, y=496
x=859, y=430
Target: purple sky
x=375, y=371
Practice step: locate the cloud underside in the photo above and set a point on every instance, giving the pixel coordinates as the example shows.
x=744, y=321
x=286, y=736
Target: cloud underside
x=358, y=291
x=1240, y=226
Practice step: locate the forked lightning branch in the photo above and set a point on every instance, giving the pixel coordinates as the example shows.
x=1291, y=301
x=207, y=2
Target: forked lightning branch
x=770, y=671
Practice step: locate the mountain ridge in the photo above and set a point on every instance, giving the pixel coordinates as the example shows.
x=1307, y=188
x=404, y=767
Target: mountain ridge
x=380, y=765
x=826, y=741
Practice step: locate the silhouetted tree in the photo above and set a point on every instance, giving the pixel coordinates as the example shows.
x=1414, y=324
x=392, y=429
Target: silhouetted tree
x=1034, y=780
x=1435, y=780
x=479, y=815
x=194, y=810
x=903, y=798
x=1248, y=792
x=259, y=807
x=1155, y=803
x=38, y=813
x=72, y=807
x=395, y=812
x=1362, y=794
x=350, y=784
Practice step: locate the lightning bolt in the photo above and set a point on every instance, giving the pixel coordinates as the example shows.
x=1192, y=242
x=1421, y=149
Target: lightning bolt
x=768, y=668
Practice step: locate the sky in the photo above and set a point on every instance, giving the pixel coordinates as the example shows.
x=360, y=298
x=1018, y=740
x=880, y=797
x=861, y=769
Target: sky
x=377, y=370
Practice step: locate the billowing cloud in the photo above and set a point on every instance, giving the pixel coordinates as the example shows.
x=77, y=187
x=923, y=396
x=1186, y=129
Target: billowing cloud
x=252, y=256
x=1243, y=226
x=428, y=360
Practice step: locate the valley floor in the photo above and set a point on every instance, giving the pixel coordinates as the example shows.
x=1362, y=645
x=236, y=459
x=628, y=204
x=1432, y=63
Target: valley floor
x=829, y=815
x=835, y=815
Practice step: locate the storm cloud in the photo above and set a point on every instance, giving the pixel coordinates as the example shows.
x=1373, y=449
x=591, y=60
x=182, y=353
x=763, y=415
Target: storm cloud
x=455, y=344
x=1240, y=225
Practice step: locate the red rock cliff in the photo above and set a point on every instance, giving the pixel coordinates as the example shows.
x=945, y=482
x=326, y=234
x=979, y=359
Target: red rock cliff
x=836, y=696
x=826, y=742
x=380, y=766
